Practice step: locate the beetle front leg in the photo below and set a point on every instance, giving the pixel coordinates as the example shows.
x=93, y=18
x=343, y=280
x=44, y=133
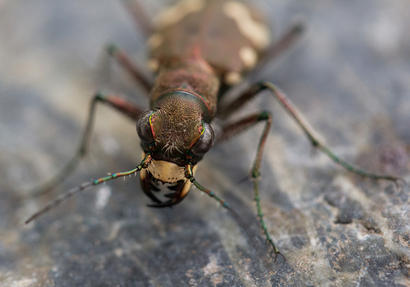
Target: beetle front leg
x=135, y=72
x=123, y=106
x=228, y=109
x=233, y=129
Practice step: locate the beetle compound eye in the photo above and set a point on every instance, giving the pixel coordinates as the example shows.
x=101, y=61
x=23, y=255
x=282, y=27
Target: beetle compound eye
x=205, y=142
x=144, y=128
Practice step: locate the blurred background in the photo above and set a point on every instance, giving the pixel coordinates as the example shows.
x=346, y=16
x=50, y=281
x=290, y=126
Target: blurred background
x=349, y=74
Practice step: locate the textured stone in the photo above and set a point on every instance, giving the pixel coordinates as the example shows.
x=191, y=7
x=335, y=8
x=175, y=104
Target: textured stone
x=348, y=74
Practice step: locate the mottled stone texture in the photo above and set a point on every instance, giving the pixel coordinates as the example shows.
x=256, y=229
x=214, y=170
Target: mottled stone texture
x=349, y=74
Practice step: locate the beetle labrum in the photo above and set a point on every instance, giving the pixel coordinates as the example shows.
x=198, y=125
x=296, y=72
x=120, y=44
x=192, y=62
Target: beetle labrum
x=199, y=50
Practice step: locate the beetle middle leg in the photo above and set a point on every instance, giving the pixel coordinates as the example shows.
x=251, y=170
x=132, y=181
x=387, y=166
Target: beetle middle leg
x=228, y=109
x=120, y=104
x=235, y=128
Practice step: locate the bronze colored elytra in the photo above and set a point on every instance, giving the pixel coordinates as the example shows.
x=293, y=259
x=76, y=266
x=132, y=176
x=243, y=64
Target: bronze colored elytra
x=198, y=51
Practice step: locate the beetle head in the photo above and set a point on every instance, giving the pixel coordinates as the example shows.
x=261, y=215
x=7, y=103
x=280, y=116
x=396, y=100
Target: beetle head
x=176, y=132
x=176, y=136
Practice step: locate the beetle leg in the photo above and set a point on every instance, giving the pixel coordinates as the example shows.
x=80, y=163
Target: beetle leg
x=123, y=106
x=141, y=19
x=255, y=89
x=135, y=72
x=277, y=48
x=236, y=128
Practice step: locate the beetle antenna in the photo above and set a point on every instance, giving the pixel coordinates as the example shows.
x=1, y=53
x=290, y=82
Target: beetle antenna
x=189, y=175
x=144, y=164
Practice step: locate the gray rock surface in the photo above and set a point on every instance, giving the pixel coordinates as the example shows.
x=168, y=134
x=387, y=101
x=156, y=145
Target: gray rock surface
x=349, y=74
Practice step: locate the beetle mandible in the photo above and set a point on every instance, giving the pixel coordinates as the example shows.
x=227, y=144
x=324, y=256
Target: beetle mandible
x=199, y=50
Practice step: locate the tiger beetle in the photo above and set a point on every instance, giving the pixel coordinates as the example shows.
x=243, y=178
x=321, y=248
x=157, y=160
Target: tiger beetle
x=199, y=50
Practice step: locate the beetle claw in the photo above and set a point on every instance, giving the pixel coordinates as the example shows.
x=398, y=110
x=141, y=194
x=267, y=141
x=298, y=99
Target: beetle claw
x=161, y=205
x=175, y=195
x=170, y=195
x=175, y=198
x=168, y=203
x=147, y=187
